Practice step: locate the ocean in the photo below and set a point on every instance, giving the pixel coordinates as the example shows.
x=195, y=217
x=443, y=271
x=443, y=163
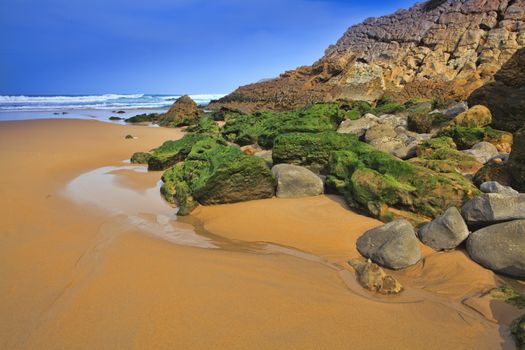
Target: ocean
x=101, y=107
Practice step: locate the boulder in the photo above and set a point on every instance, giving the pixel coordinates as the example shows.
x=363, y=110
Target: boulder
x=296, y=181
x=496, y=187
x=483, y=152
x=500, y=248
x=393, y=245
x=493, y=208
x=517, y=161
x=456, y=109
x=389, y=137
x=213, y=173
x=374, y=278
x=445, y=232
x=140, y=158
x=358, y=127
x=477, y=116
x=493, y=171
x=183, y=112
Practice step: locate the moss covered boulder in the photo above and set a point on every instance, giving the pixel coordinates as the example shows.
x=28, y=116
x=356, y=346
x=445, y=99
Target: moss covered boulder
x=477, y=117
x=518, y=330
x=142, y=118
x=372, y=181
x=517, y=161
x=425, y=123
x=467, y=137
x=216, y=174
x=264, y=127
x=206, y=126
x=440, y=154
x=172, y=152
x=140, y=158
x=183, y=112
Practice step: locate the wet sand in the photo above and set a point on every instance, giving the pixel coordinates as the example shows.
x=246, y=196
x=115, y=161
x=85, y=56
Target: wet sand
x=87, y=262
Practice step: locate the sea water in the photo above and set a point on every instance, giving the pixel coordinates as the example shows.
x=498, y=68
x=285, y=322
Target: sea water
x=101, y=107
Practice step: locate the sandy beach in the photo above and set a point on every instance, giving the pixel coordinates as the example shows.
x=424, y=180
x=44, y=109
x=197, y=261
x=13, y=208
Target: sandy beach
x=91, y=257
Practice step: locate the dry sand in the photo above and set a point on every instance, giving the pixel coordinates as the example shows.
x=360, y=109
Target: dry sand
x=113, y=269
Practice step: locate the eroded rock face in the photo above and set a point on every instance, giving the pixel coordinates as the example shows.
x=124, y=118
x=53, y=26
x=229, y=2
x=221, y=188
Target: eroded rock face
x=447, y=51
x=374, y=278
x=500, y=248
x=296, y=181
x=445, y=232
x=393, y=245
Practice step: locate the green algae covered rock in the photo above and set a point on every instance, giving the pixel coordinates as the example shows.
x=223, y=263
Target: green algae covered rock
x=172, y=152
x=206, y=126
x=440, y=154
x=467, y=137
x=213, y=173
x=264, y=127
x=372, y=181
x=140, y=158
x=518, y=330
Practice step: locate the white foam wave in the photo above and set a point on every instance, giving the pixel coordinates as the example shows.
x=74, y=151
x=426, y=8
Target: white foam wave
x=66, y=99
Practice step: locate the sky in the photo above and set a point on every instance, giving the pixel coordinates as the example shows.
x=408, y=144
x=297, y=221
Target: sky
x=166, y=46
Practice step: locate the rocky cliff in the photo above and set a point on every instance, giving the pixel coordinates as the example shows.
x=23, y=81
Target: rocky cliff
x=438, y=48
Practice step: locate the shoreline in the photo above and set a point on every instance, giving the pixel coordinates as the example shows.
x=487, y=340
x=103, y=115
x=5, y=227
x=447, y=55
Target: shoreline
x=76, y=275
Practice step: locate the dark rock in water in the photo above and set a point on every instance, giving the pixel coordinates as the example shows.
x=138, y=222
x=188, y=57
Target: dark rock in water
x=373, y=278
x=140, y=158
x=216, y=174
x=493, y=208
x=295, y=181
x=143, y=118
x=183, y=112
x=445, y=232
x=56, y=113
x=517, y=161
x=120, y=112
x=496, y=187
x=393, y=245
x=500, y=247
x=113, y=118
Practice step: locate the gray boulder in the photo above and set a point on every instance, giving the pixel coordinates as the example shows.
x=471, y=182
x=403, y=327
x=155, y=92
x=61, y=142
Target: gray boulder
x=295, y=181
x=455, y=110
x=496, y=187
x=358, y=127
x=393, y=245
x=500, y=248
x=396, y=140
x=483, y=152
x=493, y=208
x=446, y=231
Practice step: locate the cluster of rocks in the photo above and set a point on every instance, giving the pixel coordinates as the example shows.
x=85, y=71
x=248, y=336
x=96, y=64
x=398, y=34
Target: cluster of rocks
x=492, y=225
x=392, y=133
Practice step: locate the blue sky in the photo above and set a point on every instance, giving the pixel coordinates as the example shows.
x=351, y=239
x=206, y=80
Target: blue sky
x=165, y=46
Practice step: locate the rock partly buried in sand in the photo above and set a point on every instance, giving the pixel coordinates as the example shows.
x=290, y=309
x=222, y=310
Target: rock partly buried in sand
x=393, y=245
x=374, y=278
x=493, y=208
x=216, y=174
x=478, y=117
x=296, y=181
x=518, y=330
x=358, y=127
x=183, y=112
x=500, y=247
x=483, y=152
x=140, y=158
x=129, y=137
x=496, y=187
x=445, y=232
